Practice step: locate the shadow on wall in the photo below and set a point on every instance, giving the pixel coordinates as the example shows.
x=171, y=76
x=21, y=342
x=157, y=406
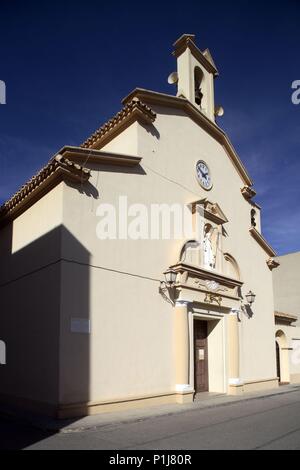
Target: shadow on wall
x=151, y=129
x=44, y=322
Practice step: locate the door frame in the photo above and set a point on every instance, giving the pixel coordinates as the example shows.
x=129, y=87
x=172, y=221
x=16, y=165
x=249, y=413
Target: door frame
x=198, y=314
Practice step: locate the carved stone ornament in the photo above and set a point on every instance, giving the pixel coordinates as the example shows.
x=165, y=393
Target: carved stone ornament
x=211, y=298
x=211, y=211
x=248, y=192
x=272, y=264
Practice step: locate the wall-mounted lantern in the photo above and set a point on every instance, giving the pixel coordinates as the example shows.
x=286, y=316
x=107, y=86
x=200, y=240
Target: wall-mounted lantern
x=170, y=277
x=250, y=297
x=167, y=287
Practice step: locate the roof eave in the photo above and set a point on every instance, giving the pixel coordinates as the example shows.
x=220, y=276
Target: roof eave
x=85, y=155
x=133, y=111
x=58, y=169
x=262, y=242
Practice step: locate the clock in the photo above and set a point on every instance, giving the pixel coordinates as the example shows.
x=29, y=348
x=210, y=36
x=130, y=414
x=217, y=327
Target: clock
x=203, y=175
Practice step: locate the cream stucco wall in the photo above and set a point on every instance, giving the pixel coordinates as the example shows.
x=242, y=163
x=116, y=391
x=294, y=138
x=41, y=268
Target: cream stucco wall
x=126, y=142
x=44, y=216
x=131, y=325
x=30, y=305
x=188, y=144
x=62, y=273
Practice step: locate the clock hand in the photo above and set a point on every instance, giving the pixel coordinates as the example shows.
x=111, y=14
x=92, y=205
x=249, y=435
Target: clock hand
x=205, y=175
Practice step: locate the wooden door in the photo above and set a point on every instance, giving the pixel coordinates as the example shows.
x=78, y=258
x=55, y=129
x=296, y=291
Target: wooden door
x=201, y=356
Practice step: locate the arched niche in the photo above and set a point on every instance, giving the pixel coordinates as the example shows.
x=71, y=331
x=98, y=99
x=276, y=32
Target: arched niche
x=210, y=246
x=190, y=252
x=231, y=267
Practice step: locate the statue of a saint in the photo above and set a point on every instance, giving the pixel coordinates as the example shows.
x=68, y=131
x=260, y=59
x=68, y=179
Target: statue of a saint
x=209, y=258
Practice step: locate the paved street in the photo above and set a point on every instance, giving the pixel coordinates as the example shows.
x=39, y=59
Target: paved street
x=263, y=423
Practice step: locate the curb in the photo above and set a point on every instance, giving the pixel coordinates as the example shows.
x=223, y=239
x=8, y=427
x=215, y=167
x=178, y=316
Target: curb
x=170, y=413
x=37, y=423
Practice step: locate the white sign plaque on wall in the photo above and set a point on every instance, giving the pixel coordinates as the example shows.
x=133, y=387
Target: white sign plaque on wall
x=80, y=325
x=2, y=353
x=201, y=355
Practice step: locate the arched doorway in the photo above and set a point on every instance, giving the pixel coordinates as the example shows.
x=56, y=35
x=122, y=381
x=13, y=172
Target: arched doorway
x=282, y=358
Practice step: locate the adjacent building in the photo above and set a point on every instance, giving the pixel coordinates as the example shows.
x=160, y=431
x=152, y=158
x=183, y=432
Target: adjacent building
x=287, y=317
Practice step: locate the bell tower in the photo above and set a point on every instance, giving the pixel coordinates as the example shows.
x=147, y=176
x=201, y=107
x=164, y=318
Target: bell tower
x=195, y=76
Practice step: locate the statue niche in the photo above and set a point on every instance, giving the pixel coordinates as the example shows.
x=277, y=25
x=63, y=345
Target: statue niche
x=205, y=250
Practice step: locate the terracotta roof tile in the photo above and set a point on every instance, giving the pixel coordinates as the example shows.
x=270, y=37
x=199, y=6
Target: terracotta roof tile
x=58, y=163
x=135, y=105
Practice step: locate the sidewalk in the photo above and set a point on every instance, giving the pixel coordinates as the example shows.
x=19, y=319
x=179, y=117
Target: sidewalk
x=205, y=401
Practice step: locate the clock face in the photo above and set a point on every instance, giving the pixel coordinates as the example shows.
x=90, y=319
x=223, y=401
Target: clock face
x=203, y=175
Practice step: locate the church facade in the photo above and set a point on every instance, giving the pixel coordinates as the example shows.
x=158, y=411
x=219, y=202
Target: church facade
x=103, y=306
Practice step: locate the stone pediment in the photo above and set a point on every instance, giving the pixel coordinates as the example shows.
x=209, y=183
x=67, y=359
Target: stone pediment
x=212, y=211
x=170, y=102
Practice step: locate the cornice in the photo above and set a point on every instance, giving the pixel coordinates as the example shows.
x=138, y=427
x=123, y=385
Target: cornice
x=262, y=242
x=186, y=41
x=285, y=317
x=134, y=110
x=207, y=275
x=57, y=170
x=100, y=157
x=161, y=99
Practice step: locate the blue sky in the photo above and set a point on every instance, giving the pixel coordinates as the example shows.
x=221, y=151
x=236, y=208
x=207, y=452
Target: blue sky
x=68, y=64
